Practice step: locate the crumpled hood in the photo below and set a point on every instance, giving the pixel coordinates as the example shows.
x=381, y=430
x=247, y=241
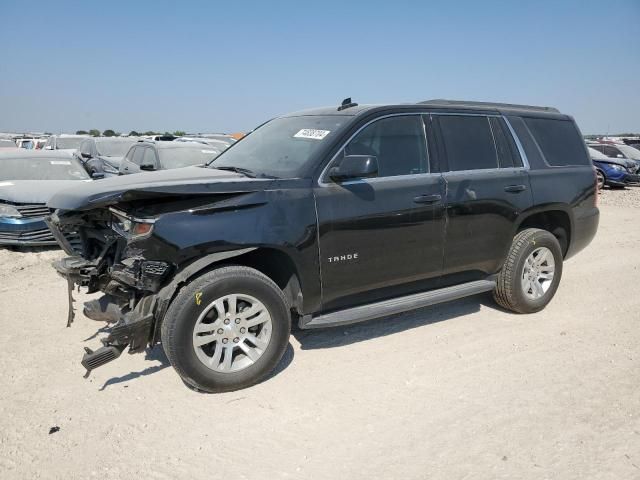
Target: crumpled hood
x=162, y=183
x=35, y=191
x=623, y=162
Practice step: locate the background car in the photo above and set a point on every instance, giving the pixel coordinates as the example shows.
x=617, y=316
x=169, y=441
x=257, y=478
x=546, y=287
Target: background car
x=615, y=172
x=101, y=156
x=64, y=142
x=148, y=156
x=617, y=150
x=28, y=178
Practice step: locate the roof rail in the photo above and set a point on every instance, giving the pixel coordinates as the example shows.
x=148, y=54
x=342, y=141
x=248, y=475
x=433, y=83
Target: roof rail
x=463, y=103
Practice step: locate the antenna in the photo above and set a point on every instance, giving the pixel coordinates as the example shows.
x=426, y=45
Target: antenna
x=347, y=103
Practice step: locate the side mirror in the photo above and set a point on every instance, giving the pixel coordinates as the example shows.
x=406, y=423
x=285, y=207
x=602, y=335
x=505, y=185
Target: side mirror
x=355, y=166
x=147, y=167
x=85, y=155
x=97, y=175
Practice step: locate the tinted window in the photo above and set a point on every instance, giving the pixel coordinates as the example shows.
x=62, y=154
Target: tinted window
x=397, y=142
x=559, y=141
x=137, y=155
x=508, y=154
x=468, y=142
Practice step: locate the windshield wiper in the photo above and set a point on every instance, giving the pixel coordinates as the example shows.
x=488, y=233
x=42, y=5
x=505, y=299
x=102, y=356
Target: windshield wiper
x=244, y=171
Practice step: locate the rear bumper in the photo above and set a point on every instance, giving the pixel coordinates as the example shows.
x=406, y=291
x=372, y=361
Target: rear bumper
x=25, y=231
x=584, y=230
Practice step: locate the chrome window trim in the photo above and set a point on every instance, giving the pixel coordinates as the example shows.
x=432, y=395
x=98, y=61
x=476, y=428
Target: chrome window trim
x=523, y=155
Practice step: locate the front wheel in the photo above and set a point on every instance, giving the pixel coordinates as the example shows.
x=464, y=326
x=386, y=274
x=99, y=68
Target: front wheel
x=226, y=330
x=531, y=274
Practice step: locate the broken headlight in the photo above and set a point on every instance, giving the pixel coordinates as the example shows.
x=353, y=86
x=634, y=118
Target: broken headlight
x=9, y=211
x=130, y=227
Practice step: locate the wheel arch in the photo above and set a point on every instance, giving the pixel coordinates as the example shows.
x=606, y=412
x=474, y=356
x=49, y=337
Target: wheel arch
x=556, y=219
x=272, y=262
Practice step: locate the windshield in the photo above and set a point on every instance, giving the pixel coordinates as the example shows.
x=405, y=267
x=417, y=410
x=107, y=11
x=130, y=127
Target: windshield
x=66, y=143
x=117, y=148
x=282, y=147
x=185, y=157
x=595, y=154
x=629, y=152
x=46, y=168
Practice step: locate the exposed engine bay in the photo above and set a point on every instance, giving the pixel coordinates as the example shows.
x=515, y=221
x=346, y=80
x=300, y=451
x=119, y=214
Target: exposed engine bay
x=107, y=262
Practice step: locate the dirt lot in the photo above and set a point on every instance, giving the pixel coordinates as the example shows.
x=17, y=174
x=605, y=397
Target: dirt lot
x=457, y=391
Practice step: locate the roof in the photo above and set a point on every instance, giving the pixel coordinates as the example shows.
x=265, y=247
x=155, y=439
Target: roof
x=440, y=104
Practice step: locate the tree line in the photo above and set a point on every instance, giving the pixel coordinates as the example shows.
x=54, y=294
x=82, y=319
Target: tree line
x=112, y=133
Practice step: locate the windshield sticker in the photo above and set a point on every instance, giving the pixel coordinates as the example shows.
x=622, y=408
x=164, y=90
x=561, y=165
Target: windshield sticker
x=5, y=184
x=312, y=133
x=60, y=162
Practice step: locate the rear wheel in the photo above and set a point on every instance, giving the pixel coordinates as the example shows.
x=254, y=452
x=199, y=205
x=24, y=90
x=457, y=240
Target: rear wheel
x=531, y=274
x=226, y=330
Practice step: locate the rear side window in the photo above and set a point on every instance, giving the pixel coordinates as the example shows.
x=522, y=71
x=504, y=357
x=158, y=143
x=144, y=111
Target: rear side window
x=508, y=155
x=559, y=141
x=468, y=142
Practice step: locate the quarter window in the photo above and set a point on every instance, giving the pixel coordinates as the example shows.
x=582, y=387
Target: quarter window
x=397, y=142
x=468, y=142
x=559, y=140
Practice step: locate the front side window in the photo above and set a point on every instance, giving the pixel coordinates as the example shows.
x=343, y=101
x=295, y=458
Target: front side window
x=398, y=143
x=149, y=157
x=468, y=142
x=137, y=155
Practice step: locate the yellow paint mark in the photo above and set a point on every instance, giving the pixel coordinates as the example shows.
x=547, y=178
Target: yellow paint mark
x=198, y=298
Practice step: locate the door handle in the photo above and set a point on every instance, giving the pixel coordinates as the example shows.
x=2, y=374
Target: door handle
x=515, y=188
x=427, y=198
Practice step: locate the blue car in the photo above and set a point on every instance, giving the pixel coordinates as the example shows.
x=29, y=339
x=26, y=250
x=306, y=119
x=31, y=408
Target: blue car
x=615, y=172
x=28, y=178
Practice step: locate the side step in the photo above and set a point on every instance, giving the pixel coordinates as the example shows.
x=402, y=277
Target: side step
x=396, y=305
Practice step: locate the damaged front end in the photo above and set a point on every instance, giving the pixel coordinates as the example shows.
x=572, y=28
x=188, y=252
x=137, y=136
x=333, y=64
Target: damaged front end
x=108, y=261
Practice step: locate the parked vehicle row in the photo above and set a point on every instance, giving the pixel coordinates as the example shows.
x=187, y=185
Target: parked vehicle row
x=617, y=164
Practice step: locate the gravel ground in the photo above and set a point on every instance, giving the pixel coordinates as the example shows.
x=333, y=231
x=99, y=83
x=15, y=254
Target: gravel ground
x=627, y=197
x=456, y=391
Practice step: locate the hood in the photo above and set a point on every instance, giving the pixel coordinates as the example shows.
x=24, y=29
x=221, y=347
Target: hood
x=35, y=191
x=161, y=183
x=623, y=162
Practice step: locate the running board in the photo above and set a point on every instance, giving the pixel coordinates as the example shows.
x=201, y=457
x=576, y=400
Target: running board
x=396, y=305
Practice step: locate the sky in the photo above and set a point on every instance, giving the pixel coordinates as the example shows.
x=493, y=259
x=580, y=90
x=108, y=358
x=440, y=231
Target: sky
x=229, y=66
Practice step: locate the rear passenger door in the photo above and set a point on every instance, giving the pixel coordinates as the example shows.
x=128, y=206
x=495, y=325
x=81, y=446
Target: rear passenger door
x=487, y=186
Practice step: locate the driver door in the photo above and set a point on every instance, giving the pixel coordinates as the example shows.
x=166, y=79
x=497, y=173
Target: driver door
x=382, y=237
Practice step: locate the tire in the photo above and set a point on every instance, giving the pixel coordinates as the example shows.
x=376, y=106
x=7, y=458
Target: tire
x=601, y=179
x=514, y=288
x=200, y=303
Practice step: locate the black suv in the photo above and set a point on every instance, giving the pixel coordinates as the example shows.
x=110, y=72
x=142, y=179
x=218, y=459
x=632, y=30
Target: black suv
x=328, y=216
